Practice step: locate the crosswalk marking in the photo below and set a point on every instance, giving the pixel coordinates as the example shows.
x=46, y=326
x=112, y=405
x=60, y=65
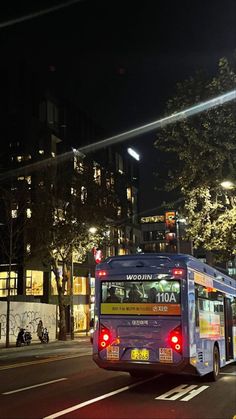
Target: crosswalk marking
x=178, y=392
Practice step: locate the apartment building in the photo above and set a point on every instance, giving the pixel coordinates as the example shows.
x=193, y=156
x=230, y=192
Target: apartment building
x=42, y=133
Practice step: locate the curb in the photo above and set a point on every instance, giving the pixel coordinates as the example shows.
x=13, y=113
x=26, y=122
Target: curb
x=35, y=344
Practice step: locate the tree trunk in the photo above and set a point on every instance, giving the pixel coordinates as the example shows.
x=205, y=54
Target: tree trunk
x=62, y=316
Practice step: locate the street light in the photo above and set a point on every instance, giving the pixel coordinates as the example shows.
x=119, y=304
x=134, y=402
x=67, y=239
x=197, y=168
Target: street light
x=227, y=184
x=92, y=230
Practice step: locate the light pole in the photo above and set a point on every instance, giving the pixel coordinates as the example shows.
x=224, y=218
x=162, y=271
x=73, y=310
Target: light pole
x=72, y=299
x=8, y=285
x=8, y=282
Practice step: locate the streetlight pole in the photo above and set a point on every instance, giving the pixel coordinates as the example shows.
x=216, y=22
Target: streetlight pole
x=8, y=285
x=177, y=236
x=72, y=299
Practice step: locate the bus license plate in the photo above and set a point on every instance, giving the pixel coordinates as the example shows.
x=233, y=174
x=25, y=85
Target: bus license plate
x=140, y=354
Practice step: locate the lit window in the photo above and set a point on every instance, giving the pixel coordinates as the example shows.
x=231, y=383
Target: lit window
x=129, y=194
x=28, y=179
x=78, y=165
x=79, y=286
x=34, y=282
x=23, y=158
x=118, y=211
x=73, y=191
x=97, y=174
x=29, y=213
x=14, y=213
x=83, y=194
x=3, y=283
x=28, y=248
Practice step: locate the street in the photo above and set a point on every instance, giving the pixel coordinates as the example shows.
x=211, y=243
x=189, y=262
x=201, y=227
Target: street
x=61, y=380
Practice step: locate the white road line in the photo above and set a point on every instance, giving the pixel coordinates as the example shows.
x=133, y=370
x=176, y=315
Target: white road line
x=36, y=385
x=96, y=399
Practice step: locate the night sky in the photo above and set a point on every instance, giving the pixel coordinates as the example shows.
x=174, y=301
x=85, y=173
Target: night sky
x=120, y=61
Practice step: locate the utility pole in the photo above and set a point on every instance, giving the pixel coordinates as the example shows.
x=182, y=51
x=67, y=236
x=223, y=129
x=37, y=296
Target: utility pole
x=72, y=299
x=9, y=283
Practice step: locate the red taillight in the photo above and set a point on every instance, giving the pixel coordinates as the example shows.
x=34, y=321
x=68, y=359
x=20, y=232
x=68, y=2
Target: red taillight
x=178, y=272
x=175, y=339
x=104, y=337
x=101, y=273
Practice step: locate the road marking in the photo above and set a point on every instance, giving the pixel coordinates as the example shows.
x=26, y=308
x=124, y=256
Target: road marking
x=179, y=391
x=36, y=385
x=43, y=361
x=96, y=399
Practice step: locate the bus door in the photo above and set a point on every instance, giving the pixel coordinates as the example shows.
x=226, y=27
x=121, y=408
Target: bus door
x=228, y=328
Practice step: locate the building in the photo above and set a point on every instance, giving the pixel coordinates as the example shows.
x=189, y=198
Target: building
x=41, y=132
x=164, y=233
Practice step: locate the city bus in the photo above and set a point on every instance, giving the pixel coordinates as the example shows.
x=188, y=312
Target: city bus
x=161, y=312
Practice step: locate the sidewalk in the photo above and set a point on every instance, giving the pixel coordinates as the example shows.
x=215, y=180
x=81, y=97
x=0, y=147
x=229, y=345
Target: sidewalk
x=78, y=338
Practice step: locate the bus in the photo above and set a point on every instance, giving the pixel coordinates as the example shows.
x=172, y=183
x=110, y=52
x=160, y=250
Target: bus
x=161, y=312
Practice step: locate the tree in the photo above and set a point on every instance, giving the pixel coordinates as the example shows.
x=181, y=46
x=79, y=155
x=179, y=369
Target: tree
x=61, y=216
x=202, y=153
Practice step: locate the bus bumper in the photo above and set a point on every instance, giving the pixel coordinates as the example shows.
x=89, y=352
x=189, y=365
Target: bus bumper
x=183, y=367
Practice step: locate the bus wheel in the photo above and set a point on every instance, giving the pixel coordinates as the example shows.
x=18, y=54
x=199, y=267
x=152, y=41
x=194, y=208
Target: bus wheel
x=216, y=364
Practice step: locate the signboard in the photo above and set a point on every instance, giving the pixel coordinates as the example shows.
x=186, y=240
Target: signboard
x=141, y=308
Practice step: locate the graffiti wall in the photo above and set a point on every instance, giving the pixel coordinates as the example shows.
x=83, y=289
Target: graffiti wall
x=27, y=315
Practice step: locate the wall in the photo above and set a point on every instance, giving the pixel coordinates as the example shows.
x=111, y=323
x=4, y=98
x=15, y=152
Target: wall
x=27, y=315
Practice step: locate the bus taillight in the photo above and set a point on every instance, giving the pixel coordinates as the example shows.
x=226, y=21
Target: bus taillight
x=101, y=273
x=175, y=339
x=178, y=272
x=104, y=337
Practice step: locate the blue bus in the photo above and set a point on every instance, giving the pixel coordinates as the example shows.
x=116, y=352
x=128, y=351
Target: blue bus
x=161, y=312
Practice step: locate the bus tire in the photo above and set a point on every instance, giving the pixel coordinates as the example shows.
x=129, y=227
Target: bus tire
x=214, y=375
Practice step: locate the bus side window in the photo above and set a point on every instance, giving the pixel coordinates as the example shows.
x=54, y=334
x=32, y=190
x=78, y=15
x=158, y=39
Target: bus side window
x=233, y=304
x=196, y=307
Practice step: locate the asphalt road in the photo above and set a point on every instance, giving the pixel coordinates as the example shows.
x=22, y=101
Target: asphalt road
x=61, y=380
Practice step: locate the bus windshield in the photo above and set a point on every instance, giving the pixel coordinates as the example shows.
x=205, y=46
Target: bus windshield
x=146, y=297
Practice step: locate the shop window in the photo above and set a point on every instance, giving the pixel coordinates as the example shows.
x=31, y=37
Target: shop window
x=3, y=283
x=81, y=317
x=34, y=282
x=79, y=285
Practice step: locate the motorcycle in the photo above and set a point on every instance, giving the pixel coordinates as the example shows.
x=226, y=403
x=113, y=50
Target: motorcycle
x=24, y=337
x=45, y=336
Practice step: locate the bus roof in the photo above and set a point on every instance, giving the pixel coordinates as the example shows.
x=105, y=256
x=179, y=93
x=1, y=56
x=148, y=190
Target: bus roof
x=164, y=259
